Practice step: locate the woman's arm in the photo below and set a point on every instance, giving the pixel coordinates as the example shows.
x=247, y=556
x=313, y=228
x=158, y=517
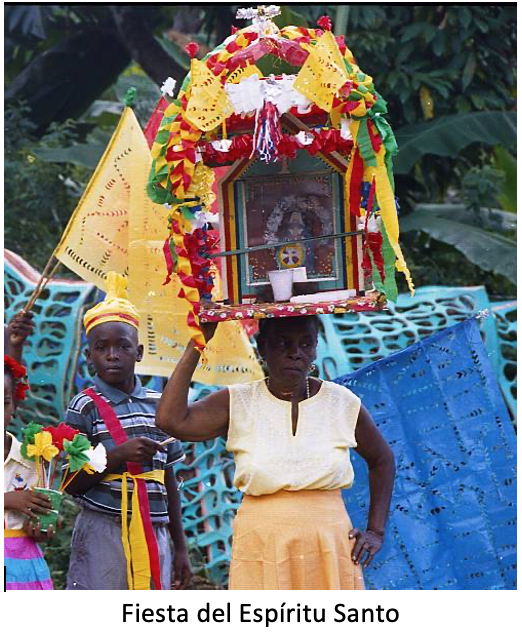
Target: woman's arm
x=199, y=421
x=381, y=473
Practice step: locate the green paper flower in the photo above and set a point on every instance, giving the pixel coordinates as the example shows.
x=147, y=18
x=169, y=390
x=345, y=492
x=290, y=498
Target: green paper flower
x=28, y=434
x=76, y=452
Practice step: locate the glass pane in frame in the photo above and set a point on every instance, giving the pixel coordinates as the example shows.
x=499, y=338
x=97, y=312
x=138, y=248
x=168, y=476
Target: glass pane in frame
x=290, y=207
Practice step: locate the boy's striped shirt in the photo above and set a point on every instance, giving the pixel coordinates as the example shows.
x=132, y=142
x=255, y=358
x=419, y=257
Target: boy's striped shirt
x=137, y=415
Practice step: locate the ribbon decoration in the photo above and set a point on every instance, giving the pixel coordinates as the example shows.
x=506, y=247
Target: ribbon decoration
x=386, y=199
x=267, y=133
x=139, y=542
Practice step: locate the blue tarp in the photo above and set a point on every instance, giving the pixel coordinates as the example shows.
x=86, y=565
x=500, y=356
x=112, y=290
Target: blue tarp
x=453, y=514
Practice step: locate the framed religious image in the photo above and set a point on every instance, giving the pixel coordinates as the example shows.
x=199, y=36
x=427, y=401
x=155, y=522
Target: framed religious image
x=301, y=210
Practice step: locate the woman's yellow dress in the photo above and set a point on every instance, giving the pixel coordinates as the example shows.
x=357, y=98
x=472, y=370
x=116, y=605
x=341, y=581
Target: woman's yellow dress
x=291, y=530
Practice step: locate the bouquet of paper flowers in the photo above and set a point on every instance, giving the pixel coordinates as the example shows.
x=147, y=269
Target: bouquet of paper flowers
x=60, y=453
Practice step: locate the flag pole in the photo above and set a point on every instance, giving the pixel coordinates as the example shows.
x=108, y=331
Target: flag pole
x=42, y=283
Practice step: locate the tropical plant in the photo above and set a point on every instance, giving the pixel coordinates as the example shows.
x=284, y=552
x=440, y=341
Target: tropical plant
x=39, y=196
x=447, y=136
x=484, y=236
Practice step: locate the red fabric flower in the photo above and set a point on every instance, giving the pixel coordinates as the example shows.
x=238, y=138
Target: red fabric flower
x=192, y=49
x=19, y=373
x=325, y=23
x=61, y=433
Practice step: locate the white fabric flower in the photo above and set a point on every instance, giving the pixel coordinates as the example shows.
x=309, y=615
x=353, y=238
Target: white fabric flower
x=222, y=146
x=97, y=458
x=304, y=138
x=247, y=95
x=168, y=86
x=345, y=129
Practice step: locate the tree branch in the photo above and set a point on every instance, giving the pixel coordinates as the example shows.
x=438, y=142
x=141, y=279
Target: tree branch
x=139, y=40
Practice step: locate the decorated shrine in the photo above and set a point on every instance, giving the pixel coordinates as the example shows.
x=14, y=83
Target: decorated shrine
x=307, y=211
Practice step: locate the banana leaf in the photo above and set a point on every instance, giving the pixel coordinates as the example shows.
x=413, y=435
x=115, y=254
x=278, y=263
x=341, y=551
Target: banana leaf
x=87, y=155
x=491, y=219
x=447, y=136
x=491, y=252
x=504, y=161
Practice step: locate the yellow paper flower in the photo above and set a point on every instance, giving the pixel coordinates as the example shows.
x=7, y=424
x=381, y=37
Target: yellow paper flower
x=43, y=446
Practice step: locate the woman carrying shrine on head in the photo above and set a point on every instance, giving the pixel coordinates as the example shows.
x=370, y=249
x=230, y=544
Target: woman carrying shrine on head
x=290, y=435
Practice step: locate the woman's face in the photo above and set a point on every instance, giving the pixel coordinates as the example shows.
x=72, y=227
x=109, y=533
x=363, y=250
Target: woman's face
x=289, y=349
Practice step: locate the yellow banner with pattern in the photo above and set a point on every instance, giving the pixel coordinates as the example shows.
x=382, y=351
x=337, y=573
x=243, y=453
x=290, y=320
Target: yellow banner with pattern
x=117, y=227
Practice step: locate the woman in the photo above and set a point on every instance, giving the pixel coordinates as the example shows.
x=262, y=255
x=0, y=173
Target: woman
x=290, y=435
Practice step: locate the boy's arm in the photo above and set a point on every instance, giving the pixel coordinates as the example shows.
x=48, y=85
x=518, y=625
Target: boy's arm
x=182, y=568
x=138, y=450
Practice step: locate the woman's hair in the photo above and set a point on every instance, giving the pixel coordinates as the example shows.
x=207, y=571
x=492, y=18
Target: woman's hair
x=265, y=325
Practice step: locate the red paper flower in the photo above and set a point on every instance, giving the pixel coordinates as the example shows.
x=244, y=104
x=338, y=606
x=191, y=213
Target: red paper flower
x=192, y=49
x=19, y=373
x=61, y=433
x=233, y=30
x=325, y=23
x=232, y=47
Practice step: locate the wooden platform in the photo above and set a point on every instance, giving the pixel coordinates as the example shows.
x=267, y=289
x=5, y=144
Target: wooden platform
x=217, y=312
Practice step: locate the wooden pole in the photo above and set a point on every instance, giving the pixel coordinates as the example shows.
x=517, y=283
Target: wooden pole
x=42, y=283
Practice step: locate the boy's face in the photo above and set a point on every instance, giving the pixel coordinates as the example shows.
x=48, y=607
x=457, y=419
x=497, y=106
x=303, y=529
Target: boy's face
x=9, y=404
x=113, y=351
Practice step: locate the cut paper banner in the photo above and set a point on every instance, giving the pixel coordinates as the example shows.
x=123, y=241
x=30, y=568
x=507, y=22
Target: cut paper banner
x=116, y=227
x=96, y=239
x=453, y=513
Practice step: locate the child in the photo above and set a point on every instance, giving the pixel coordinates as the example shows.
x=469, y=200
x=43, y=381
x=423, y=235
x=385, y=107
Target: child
x=120, y=538
x=25, y=567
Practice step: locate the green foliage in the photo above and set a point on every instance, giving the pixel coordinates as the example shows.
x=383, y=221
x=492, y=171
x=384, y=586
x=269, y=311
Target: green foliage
x=447, y=136
x=465, y=231
x=434, y=262
x=38, y=197
x=464, y=55
x=482, y=186
x=505, y=162
x=57, y=550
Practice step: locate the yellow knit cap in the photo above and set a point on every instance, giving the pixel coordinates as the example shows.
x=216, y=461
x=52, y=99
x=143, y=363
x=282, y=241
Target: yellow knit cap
x=115, y=307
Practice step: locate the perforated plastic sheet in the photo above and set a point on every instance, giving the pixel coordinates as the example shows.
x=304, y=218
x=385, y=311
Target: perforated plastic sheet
x=351, y=341
x=453, y=513
x=506, y=318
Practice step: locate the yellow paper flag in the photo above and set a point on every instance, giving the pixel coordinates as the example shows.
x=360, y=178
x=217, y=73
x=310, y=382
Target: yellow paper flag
x=208, y=105
x=96, y=239
x=117, y=227
x=323, y=73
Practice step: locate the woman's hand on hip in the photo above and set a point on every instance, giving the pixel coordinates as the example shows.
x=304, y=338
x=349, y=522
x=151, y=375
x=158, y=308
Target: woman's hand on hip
x=367, y=544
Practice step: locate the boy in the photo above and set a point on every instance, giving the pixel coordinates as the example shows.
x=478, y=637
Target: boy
x=110, y=550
